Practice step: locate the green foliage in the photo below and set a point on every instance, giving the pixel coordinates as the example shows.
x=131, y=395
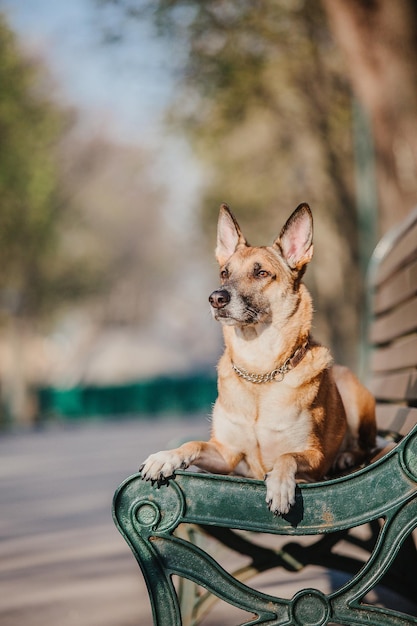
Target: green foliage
x=30, y=129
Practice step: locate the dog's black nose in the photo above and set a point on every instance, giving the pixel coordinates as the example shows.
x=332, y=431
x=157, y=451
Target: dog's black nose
x=219, y=298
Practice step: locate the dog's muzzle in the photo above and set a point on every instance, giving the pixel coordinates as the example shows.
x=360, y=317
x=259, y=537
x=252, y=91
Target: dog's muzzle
x=219, y=298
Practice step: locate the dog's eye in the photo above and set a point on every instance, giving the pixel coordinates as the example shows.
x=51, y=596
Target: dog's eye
x=262, y=274
x=224, y=274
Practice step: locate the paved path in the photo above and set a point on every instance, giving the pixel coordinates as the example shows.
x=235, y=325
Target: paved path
x=62, y=561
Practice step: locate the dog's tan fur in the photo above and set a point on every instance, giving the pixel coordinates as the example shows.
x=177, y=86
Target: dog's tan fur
x=317, y=417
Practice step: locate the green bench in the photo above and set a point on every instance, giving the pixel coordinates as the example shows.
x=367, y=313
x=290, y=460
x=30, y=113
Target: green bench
x=174, y=531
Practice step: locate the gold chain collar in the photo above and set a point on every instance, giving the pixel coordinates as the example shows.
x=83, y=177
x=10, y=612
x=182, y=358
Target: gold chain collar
x=277, y=374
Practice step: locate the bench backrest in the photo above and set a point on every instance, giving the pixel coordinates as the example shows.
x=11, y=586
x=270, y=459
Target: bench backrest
x=393, y=331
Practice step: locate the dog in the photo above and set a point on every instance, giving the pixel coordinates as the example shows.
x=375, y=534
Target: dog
x=283, y=413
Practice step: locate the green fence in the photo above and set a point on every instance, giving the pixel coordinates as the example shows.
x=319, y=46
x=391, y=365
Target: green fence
x=166, y=394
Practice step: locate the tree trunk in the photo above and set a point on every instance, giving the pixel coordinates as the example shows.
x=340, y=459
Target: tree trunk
x=379, y=41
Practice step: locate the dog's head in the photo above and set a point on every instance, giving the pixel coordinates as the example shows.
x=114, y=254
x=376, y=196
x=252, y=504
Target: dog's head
x=257, y=283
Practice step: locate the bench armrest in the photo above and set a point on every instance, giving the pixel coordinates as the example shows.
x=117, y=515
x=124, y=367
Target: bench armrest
x=147, y=517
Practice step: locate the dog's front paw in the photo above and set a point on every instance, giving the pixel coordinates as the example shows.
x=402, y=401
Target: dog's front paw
x=161, y=466
x=280, y=491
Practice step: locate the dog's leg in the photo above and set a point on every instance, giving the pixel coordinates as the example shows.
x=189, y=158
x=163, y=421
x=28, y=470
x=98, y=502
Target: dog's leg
x=207, y=455
x=280, y=485
x=281, y=480
x=360, y=414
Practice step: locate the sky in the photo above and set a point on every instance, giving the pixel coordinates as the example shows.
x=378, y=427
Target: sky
x=123, y=88
x=126, y=84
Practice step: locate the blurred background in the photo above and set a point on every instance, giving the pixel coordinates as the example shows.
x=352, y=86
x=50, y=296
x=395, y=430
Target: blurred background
x=125, y=123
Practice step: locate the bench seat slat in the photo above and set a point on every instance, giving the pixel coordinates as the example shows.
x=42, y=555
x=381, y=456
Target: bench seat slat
x=396, y=418
x=395, y=387
x=397, y=356
x=400, y=287
x=405, y=246
x=400, y=321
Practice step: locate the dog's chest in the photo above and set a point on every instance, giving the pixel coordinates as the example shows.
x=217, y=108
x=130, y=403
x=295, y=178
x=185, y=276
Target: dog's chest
x=261, y=421
x=274, y=404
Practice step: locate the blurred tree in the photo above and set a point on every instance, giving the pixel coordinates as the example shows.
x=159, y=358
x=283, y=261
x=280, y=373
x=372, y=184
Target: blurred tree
x=117, y=215
x=266, y=103
x=77, y=224
x=38, y=274
x=379, y=40
x=30, y=126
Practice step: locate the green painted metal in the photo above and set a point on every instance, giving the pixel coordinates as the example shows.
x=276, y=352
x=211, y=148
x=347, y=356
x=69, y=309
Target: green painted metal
x=190, y=393
x=148, y=516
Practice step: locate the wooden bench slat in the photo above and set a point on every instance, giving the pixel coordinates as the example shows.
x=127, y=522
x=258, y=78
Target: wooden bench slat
x=395, y=387
x=396, y=323
x=397, y=289
x=404, y=246
x=392, y=417
x=399, y=355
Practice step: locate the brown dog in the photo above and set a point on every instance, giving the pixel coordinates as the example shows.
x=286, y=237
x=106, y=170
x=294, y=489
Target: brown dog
x=282, y=413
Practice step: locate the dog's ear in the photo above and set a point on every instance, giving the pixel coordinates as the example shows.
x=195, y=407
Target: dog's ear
x=229, y=235
x=296, y=238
